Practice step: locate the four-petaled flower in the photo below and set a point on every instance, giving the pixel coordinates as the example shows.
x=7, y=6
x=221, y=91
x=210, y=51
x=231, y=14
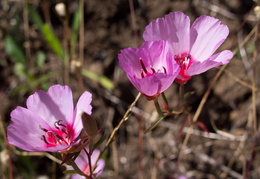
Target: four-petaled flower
x=50, y=122
x=84, y=165
x=192, y=47
x=150, y=68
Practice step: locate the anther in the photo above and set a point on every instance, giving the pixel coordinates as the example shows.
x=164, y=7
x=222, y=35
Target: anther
x=56, y=124
x=59, y=123
x=164, y=69
x=152, y=69
x=142, y=74
x=142, y=64
x=44, y=139
x=45, y=130
x=64, y=130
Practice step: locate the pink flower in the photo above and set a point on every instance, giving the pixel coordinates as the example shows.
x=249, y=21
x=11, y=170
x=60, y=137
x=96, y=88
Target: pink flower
x=192, y=47
x=150, y=68
x=50, y=122
x=83, y=163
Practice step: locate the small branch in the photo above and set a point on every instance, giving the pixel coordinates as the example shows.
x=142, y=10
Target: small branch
x=123, y=120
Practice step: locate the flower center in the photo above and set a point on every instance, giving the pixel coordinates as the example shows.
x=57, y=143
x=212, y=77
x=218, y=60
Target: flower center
x=145, y=73
x=57, y=136
x=184, y=60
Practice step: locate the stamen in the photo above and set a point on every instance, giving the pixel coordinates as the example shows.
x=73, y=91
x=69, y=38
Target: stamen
x=142, y=74
x=57, y=136
x=183, y=60
x=142, y=64
x=56, y=124
x=44, y=139
x=164, y=69
x=59, y=123
x=152, y=69
x=64, y=130
x=45, y=130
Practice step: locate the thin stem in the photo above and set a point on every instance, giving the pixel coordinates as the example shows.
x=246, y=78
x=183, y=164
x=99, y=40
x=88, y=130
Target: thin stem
x=158, y=108
x=89, y=161
x=123, y=120
x=165, y=100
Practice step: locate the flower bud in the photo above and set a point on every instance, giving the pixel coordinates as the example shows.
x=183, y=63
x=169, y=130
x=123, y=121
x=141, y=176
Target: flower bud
x=89, y=125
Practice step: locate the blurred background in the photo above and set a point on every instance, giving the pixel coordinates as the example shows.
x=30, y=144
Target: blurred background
x=76, y=43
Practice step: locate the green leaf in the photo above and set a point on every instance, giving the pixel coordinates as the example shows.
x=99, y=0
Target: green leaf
x=52, y=41
x=75, y=25
x=35, y=17
x=48, y=34
x=103, y=80
x=14, y=50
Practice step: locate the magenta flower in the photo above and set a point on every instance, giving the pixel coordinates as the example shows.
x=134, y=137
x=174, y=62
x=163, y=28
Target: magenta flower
x=83, y=163
x=50, y=122
x=193, y=47
x=150, y=68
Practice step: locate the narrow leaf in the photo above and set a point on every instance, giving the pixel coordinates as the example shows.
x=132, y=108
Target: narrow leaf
x=103, y=80
x=52, y=41
x=14, y=50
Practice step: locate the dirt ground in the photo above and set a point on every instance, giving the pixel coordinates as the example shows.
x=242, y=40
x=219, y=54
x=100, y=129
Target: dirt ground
x=229, y=150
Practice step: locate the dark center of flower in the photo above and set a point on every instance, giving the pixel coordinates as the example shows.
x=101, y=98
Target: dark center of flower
x=57, y=136
x=145, y=73
x=184, y=60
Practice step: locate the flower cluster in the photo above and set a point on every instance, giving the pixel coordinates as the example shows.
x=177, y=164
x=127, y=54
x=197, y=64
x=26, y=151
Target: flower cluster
x=174, y=51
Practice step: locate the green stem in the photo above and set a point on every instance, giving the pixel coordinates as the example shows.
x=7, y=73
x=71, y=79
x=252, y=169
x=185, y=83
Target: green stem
x=165, y=99
x=158, y=108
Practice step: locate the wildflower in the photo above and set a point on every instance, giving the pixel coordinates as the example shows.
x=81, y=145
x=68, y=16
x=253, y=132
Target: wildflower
x=50, y=122
x=150, y=68
x=192, y=47
x=84, y=165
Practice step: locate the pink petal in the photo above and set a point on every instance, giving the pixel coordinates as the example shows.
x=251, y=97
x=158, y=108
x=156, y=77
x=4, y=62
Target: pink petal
x=54, y=105
x=175, y=28
x=25, y=132
x=100, y=167
x=152, y=53
x=152, y=85
x=129, y=61
x=83, y=105
x=215, y=60
x=207, y=34
x=82, y=161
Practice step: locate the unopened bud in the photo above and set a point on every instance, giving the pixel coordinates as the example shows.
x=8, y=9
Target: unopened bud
x=89, y=125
